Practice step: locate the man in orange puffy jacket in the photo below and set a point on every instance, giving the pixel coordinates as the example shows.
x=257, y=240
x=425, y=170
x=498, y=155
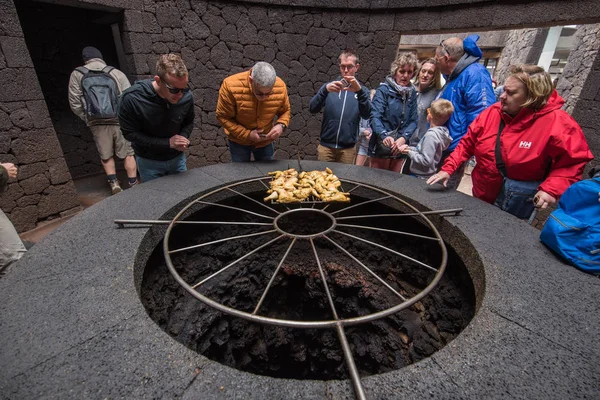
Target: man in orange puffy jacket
x=248, y=104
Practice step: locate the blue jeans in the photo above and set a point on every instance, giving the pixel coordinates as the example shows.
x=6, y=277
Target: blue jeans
x=241, y=153
x=152, y=169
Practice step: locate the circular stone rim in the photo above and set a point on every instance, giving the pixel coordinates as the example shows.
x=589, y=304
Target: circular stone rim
x=309, y=210
x=295, y=323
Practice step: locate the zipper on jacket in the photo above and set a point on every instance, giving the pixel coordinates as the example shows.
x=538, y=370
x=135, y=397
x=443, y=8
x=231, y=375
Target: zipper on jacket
x=337, y=136
x=563, y=224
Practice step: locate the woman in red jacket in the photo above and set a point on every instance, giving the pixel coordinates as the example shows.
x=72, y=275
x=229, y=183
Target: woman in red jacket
x=543, y=150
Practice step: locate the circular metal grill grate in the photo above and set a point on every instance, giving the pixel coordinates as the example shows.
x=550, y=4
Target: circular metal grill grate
x=277, y=219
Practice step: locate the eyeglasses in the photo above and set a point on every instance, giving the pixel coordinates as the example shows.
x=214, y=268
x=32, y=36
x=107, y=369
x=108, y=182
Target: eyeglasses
x=258, y=93
x=174, y=90
x=347, y=67
x=443, y=48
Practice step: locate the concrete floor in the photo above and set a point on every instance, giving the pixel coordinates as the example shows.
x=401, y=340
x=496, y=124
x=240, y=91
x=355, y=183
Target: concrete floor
x=90, y=190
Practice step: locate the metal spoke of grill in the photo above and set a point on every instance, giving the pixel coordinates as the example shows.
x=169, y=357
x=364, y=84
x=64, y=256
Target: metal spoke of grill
x=374, y=228
x=165, y=222
x=285, y=229
x=197, y=246
x=253, y=200
x=233, y=208
x=384, y=283
x=264, y=295
x=452, y=211
x=361, y=204
x=388, y=249
x=354, y=376
x=236, y=261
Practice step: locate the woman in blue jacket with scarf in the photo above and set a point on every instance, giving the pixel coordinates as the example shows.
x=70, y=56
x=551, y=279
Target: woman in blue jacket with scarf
x=394, y=114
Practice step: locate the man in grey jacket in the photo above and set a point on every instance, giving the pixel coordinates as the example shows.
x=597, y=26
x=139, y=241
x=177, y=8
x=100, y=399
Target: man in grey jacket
x=106, y=131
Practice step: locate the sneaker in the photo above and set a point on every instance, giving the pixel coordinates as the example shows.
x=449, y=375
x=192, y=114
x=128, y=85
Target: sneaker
x=115, y=186
x=133, y=184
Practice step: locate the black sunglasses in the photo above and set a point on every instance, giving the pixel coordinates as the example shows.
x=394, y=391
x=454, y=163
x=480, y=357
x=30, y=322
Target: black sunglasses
x=174, y=90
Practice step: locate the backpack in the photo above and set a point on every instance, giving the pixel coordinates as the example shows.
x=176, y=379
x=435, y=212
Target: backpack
x=100, y=94
x=573, y=230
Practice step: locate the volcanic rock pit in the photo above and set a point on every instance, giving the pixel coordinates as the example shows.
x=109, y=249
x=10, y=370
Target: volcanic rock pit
x=298, y=294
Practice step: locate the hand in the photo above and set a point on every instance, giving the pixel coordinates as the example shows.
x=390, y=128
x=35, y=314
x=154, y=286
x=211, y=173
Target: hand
x=275, y=132
x=404, y=149
x=441, y=177
x=179, y=142
x=543, y=199
x=335, y=86
x=366, y=132
x=11, y=169
x=354, y=85
x=388, y=141
x=397, y=144
x=255, y=135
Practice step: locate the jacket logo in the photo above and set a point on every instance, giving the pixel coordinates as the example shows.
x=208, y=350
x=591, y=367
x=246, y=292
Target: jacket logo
x=525, y=145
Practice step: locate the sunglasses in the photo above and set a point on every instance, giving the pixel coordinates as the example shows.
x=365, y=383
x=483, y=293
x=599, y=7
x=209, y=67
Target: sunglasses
x=174, y=90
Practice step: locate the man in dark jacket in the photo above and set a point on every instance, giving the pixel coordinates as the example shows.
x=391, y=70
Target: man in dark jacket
x=345, y=101
x=468, y=87
x=157, y=117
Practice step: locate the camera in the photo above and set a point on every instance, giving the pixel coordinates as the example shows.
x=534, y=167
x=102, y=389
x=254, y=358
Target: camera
x=345, y=82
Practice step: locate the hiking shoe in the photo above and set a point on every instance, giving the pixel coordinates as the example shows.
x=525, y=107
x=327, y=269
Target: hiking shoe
x=115, y=186
x=132, y=184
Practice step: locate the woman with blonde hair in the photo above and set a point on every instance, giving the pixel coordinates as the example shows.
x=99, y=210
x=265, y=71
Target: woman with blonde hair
x=394, y=114
x=429, y=84
x=528, y=150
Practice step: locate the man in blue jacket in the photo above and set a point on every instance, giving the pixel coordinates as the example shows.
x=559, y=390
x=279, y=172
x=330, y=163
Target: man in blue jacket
x=346, y=101
x=468, y=87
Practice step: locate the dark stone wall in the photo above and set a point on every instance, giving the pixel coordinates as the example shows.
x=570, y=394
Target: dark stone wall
x=43, y=188
x=217, y=39
x=580, y=85
x=55, y=36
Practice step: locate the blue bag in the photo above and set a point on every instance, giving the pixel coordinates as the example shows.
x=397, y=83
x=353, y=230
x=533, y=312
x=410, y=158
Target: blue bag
x=573, y=230
x=516, y=197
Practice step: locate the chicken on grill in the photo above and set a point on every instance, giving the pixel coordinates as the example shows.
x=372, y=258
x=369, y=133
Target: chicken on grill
x=289, y=186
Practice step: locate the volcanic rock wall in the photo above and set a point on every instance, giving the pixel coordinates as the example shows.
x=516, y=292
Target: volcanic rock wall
x=43, y=188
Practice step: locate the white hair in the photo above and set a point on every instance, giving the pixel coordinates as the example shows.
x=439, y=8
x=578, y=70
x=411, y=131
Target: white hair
x=263, y=74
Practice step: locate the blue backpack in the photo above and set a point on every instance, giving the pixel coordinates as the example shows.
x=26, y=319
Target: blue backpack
x=573, y=230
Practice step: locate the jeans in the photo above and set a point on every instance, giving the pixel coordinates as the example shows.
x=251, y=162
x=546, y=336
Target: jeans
x=152, y=169
x=240, y=153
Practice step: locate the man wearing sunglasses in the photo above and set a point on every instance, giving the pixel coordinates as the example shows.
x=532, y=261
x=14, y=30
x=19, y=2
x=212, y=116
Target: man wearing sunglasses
x=157, y=116
x=249, y=102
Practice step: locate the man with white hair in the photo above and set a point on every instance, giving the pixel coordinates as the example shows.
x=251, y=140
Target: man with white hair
x=248, y=104
x=468, y=87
